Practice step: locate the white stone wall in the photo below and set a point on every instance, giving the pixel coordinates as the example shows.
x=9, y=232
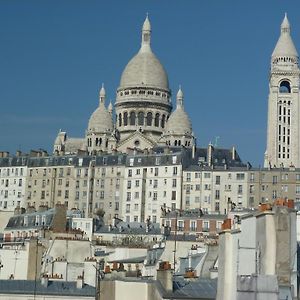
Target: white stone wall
x=12, y=187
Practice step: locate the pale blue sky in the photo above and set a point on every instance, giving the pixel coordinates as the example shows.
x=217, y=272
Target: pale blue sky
x=54, y=55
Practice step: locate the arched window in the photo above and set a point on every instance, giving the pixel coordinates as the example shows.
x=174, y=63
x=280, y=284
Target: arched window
x=125, y=118
x=120, y=120
x=141, y=118
x=175, y=143
x=163, y=120
x=100, y=141
x=179, y=142
x=132, y=118
x=156, y=121
x=149, y=119
x=284, y=87
x=96, y=141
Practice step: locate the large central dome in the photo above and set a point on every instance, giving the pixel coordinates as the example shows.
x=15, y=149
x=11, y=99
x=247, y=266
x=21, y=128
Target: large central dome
x=144, y=69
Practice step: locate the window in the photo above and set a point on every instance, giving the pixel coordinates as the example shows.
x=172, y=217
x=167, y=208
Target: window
x=197, y=187
x=207, y=175
x=128, y=196
x=125, y=118
x=207, y=187
x=129, y=173
x=163, y=119
x=240, y=176
x=251, y=188
x=218, y=179
x=188, y=189
x=193, y=225
x=156, y=172
x=156, y=120
x=205, y=226
x=217, y=194
x=173, y=195
x=187, y=201
x=174, y=170
x=284, y=87
x=149, y=119
x=140, y=118
x=132, y=118
x=136, y=195
x=297, y=189
x=129, y=184
x=188, y=177
x=217, y=206
x=137, y=183
x=155, y=183
x=174, y=182
x=240, y=189
x=180, y=225
x=154, y=196
x=127, y=208
x=275, y=180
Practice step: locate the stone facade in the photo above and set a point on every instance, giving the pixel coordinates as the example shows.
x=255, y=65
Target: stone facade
x=283, y=136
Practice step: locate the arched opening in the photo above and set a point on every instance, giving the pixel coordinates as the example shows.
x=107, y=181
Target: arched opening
x=175, y=143
x=163, y=120
x=141, y=118
x=120, y=120
x=132, y=118
x=179, y=142
x=125, y=118
x=284, y=87
x=97, y=141
x=100, y=141
x=149, y=119
x=156, y=121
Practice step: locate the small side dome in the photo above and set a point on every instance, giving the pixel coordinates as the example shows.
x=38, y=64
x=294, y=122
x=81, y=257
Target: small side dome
x=179, y=122
x=101, y=119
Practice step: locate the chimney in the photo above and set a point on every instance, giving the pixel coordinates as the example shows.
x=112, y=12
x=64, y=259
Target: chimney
x=210, y=151
x=226, y=224
x=79, y=282
x=165, y=275
x=233, y=153
x=44, y=280
x=193, y=151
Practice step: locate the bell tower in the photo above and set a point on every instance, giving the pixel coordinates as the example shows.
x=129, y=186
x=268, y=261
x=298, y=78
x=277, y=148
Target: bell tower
x=283, y=134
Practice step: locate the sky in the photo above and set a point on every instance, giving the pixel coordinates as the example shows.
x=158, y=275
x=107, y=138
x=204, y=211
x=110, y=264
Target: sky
x=54, y=56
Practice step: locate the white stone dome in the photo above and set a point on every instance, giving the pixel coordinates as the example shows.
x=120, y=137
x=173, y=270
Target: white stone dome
x=144, y=69
x=179, y=122
x=101, y=119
